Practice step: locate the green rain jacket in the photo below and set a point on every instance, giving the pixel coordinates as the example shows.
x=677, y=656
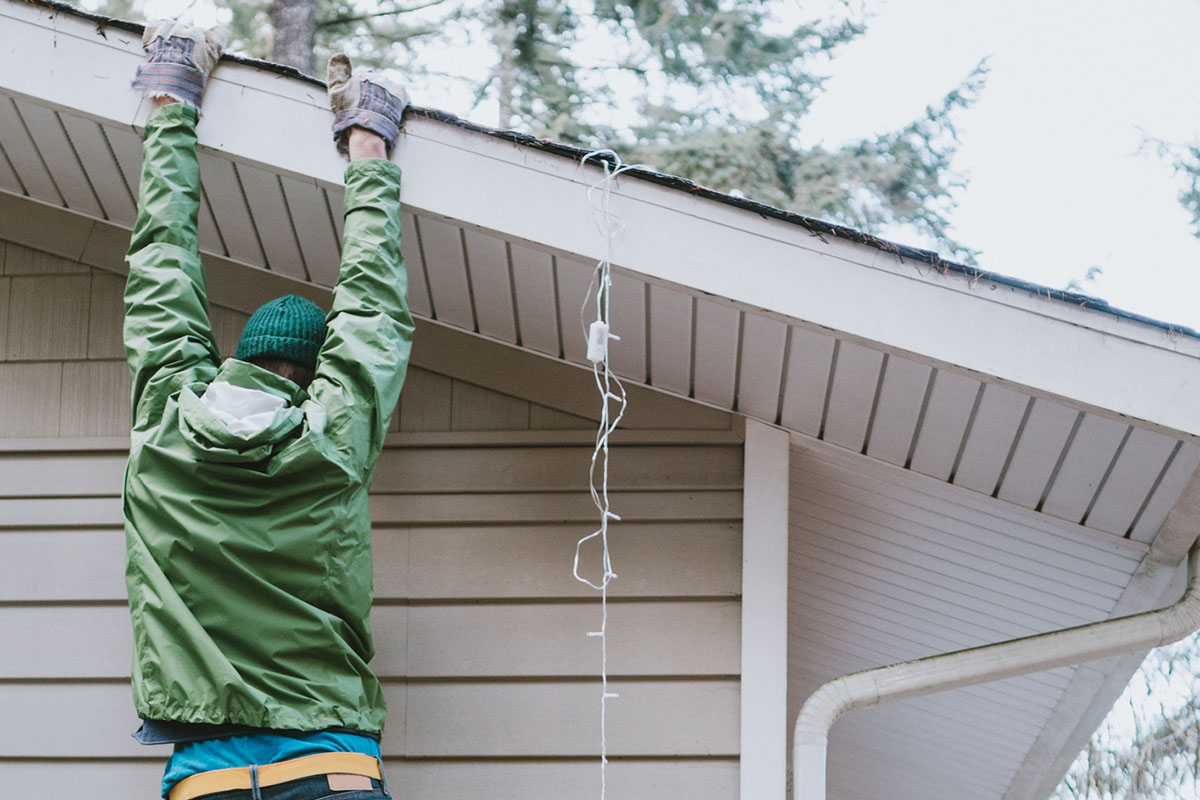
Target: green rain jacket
x=249, y=557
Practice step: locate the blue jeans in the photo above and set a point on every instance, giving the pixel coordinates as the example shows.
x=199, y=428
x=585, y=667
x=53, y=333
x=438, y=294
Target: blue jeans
x=314, y=788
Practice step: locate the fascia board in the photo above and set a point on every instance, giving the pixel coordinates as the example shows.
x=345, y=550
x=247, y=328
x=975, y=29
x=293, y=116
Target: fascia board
x=761, y=265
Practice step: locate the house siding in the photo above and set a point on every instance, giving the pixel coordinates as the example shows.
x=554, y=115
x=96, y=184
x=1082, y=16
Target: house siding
x=481, y=629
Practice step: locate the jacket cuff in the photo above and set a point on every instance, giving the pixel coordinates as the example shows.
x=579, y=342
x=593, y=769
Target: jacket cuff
x=363, y=118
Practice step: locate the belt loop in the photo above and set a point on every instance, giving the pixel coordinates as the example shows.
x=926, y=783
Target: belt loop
x=383, y=778
x=255, y=794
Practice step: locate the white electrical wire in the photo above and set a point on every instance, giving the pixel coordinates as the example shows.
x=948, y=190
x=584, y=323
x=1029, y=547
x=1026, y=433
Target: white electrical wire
x=613, y=402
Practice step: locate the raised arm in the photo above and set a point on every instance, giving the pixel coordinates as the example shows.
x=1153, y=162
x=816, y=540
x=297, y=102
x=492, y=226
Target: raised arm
x=168, y=337
x=362, y=364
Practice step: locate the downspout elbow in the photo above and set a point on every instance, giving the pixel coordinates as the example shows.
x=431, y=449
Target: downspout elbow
x=824, y=707
x=1183, y=618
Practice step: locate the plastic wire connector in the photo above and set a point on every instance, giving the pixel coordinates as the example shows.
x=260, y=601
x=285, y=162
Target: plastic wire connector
x=597, y=349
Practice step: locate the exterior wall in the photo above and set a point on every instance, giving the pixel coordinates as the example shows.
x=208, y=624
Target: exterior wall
x=480, y=627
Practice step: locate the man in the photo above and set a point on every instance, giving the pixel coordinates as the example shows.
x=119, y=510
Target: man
x=248, y=538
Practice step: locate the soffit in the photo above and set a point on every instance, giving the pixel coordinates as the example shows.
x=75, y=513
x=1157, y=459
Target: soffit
x=888, y=566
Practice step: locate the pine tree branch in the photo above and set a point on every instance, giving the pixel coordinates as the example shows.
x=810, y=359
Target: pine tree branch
x=448, y=75
x=325, y=23
x=561, y=62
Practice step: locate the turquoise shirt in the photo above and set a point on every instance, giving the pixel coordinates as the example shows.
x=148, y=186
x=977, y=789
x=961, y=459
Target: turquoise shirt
x=260, y=748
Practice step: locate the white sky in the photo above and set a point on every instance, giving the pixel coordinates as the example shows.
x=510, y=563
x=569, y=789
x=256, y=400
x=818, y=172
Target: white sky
x=1057, y=184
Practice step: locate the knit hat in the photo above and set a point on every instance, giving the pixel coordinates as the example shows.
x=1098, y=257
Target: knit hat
x=288, y=327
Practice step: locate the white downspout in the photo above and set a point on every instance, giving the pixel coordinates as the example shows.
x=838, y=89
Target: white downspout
x=979, y=665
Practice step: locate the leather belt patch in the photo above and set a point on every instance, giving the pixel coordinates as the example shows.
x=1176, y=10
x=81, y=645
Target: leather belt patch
x=344, y=782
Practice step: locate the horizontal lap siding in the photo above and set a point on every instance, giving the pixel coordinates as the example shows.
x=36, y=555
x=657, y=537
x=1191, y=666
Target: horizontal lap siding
x=439, y=641
x=428, y=779
x=485, y=719
x=481, y=629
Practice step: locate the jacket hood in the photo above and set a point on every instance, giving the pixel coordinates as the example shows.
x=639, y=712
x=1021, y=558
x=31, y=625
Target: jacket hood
x=215, y=433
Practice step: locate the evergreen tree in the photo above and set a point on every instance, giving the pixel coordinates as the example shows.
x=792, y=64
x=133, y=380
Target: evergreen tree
x=712, y=90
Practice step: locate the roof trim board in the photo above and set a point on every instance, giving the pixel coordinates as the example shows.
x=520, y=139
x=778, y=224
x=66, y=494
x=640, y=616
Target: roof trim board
x=820, y=282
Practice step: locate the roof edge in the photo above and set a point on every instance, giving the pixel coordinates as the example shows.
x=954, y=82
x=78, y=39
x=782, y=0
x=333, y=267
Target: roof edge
x=815, y=227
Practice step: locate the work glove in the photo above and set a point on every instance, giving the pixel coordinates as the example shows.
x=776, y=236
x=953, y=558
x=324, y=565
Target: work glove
x=363, y=98
x=179, y=59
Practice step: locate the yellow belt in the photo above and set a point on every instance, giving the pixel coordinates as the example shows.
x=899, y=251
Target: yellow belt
x=224, y=780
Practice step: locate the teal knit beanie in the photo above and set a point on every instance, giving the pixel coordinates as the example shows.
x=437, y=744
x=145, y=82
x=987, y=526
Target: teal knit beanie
x=288, y=327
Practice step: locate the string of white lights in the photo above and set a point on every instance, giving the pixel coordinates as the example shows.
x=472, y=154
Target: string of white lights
x=612, y=408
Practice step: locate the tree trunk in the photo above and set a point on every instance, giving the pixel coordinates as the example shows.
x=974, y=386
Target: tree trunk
x=506, y=42
x=295, y=26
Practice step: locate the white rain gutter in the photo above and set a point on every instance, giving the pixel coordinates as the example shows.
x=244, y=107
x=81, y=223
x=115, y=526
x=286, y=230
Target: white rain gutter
x=979, y=665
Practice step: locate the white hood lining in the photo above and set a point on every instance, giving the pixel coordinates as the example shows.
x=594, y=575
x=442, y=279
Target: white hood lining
x=245, y=412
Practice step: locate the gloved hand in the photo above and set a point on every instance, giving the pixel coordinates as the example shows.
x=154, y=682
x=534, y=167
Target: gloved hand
x=179, y=59
x=364, y=98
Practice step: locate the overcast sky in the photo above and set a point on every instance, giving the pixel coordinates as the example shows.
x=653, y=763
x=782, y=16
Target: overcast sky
x=1056, y=181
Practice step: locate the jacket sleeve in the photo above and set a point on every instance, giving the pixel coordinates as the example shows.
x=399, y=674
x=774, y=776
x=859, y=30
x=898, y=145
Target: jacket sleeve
x=168, y=336
x=369, y=337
